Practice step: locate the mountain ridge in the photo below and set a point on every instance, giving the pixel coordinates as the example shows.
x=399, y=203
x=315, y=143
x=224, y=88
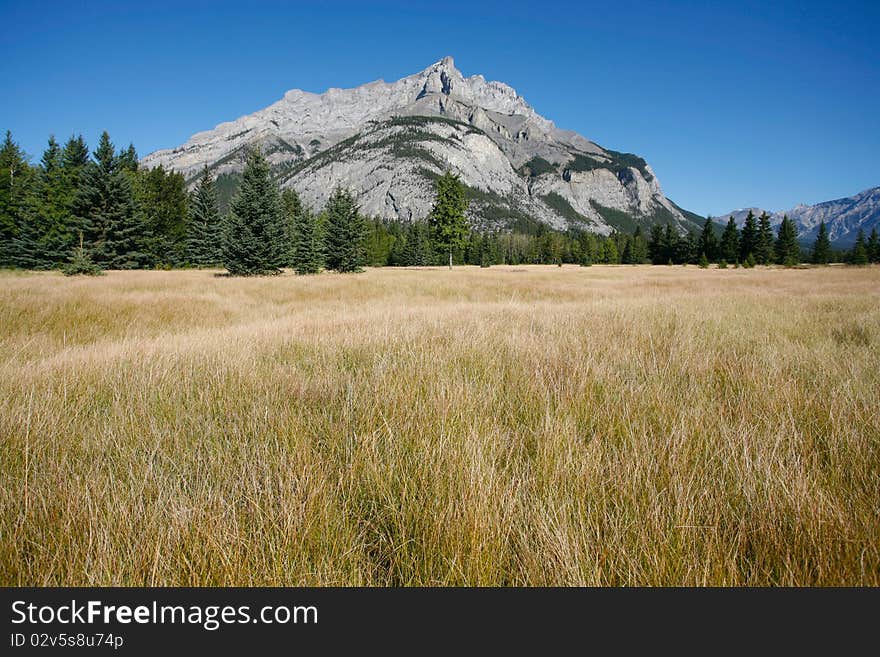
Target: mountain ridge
x=387, y=140
x=843, y=217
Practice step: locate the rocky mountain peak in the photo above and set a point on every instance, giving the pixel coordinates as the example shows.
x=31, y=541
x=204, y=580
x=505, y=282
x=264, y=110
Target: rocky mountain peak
x=387, y=140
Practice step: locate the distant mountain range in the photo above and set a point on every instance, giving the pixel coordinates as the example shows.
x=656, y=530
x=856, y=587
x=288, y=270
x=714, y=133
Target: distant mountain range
x=843, y=217
x=387, y=142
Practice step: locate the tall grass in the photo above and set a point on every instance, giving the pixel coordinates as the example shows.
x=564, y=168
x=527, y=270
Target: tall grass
x=529, y=425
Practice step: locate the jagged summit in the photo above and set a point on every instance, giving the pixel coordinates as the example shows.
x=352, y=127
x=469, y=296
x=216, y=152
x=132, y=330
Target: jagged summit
x=386, y=141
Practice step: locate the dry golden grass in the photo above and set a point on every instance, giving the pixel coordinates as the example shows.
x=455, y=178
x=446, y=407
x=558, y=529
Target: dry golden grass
x=517, y=425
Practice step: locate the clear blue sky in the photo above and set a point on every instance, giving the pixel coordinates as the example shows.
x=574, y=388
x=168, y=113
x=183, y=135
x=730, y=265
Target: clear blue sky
x=733, y=104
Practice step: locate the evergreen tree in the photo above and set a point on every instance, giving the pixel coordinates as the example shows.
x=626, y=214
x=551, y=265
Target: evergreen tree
x=255, y=242
x=163, y=201
x=874, y=246
x=415, y=251
x=447, y=218
x=75, y=158
x=689, y=248
x=610, y=254
x=764, y=252
x=859, y=255
x=708, y=244
x=291, y=206
x=109, y=216
x=656, y=245
x=204, y=230
x=670, y=246
x=128, y=159
x=748, y=241
x=14, y=171
x=822, y=247
x=787, y=249
x=730, y=242
x=344, y=241
x=308, y=245
x=80, y=263
x=53, y=197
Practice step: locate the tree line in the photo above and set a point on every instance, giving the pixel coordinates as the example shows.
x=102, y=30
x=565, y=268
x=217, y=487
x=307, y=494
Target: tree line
x=85, y=211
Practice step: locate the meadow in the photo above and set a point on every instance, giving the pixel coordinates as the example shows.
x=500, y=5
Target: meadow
x=534, y=425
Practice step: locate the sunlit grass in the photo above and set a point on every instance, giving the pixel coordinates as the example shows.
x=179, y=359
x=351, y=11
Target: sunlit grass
x=516, y=425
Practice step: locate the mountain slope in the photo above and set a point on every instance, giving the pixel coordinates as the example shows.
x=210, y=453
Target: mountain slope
x=843, y=217
x=387, y=141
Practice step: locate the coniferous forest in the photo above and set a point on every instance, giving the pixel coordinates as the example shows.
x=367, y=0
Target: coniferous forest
x=83, y=211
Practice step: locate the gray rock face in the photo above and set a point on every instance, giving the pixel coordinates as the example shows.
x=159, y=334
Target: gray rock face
x=843, y=217
x=387, y=141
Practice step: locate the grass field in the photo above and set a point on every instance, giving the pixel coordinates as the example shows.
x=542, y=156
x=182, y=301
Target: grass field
x=516, y=425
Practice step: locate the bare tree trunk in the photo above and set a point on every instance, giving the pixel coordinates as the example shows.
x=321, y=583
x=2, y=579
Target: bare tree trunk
x=450, y=258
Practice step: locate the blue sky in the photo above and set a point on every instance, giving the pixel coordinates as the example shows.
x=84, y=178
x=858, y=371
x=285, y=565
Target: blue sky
x=733, y=104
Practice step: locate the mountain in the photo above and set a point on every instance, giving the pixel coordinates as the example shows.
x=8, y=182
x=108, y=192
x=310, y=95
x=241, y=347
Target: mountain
x=843, y=217
x=387, y=142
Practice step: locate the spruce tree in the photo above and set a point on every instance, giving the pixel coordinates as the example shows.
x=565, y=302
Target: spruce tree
x=656, y=245
x=291, y=206
x=164, y=201
x=764, y=252
x=308, y=244
x=786, y=247
x=80, y=263
x=447, y=218
x=708, y=243
x=822, y=247
x=670, y=246
x=859, y=254
x=748, y=241
x=14, y=171
x=255, y=240
x=204, y=230
x=874, y=246
x=53, y=193
x=128, y=159
x=344, y=239
x=730, y=242
x=415, y=250
x=110, y=218
x=75, y=158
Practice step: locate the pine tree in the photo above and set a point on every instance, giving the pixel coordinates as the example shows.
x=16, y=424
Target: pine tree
x=874, y=246
x=764, y=252
x=859, y=254
x=787, y=249
x=109, y=216
x=822, y=247
x=308, y=243
x=448, y=223
x=344, y=240
x=255, y=241
x=748, y=241
x=708, y=244
x=730, y=242
x=204, y=230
